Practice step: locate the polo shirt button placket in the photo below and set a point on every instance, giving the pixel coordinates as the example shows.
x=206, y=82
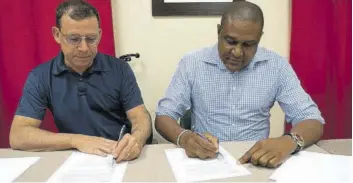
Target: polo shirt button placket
x=81, y=87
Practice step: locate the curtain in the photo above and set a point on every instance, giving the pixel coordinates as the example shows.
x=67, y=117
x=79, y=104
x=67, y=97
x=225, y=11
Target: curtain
x=320, y=53
x=25, y=42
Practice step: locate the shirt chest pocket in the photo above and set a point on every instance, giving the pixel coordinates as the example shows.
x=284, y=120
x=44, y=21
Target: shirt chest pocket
x=103, y=100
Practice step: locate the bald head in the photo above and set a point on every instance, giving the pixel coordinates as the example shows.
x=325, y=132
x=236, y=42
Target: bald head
x=245, y=11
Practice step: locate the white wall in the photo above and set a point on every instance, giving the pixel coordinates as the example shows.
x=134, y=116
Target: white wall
x=162, y=41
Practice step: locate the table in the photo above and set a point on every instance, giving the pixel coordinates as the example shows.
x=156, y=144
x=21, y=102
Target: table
x=337, y=146
x=152, y=165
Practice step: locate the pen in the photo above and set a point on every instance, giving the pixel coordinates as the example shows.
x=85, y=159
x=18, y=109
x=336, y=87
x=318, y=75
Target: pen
x=205, y=138
x=121, y=134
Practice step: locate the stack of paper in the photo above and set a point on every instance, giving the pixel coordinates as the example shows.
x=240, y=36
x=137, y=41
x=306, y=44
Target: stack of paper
x=11, y=168
x=314, y=167
x=81, y=167
x=187, y=169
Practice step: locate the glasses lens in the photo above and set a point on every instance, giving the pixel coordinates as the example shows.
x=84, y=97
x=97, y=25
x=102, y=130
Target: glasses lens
x=73, y=39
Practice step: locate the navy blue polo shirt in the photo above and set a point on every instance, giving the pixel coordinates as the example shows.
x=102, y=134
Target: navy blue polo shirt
x=92, y=103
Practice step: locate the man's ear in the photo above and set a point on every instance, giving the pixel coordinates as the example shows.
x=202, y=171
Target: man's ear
x=100, y=35
x=219, y=29
x=262, y=33
x=56, y=34
x=100, y=32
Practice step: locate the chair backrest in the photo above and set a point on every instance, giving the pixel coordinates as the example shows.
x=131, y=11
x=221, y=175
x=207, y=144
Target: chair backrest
x=127, y=57
x=185, y=121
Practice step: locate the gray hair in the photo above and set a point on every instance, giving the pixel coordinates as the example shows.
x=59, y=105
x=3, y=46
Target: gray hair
x=76, y=9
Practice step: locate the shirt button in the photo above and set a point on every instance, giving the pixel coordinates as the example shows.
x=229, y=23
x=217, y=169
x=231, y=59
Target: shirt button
x=81, y=79
x=234, y=88
x=233, y=106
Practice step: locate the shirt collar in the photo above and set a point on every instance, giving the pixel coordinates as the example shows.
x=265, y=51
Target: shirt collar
x=60, y=67
x=260, y=56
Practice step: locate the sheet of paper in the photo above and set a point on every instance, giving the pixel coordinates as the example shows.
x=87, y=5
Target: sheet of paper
x=187, y=169
x=11, y=168
x=314, y=167
x=196, y=1
x=81, y=167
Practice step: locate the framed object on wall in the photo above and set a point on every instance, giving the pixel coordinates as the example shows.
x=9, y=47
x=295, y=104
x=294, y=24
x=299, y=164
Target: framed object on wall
x=189, y=7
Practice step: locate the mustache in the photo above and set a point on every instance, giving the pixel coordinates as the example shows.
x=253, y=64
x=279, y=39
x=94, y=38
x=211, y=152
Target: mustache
x=83, y=55
x=235, y=59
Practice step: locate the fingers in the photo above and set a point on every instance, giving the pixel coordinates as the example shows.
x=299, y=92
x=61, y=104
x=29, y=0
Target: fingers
x=206, y=144
x=126, y=151
x=274, y=162
x=196, y=146
x=106, y=150
x=99, y=152
x=246, y=157
x=135, y=152
x=268, y=153
x=121, y=145
x=201, y=151
x=190, y=154
x=110, y=143
x=255, y=157
x=213, y=140
x=106, y=147
x=264, y=160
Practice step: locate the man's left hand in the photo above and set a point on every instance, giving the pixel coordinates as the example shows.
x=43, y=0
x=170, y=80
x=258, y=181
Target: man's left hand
x=128, y=148
x=270, y=152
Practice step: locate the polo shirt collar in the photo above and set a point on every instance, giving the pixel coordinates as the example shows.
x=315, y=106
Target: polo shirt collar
x=60, y=67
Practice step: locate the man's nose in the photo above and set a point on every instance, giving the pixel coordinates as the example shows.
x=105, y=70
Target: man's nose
x=238, y=51
x=83, y=46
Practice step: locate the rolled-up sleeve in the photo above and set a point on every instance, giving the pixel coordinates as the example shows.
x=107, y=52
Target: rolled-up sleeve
x=34, y=101
x=177, y=97
x=295, y=102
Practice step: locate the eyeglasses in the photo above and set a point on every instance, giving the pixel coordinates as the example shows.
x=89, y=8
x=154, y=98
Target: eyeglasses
x=75, y=39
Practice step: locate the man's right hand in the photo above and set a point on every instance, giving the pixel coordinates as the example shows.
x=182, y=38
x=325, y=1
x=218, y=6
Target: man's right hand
x=93, y=145
x=197, y=147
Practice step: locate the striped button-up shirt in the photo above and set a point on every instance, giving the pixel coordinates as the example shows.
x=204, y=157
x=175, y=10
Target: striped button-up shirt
x=235, y=106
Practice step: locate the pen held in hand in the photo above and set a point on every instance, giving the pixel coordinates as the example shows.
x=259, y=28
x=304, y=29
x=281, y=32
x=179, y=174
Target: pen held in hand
x=205, y=138
x=121, y=134
x=112, y=159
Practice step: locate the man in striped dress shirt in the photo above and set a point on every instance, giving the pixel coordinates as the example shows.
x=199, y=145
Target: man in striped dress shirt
x=230, y=89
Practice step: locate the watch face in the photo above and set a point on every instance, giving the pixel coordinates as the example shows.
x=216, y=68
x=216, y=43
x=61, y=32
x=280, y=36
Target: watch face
x=298, y=139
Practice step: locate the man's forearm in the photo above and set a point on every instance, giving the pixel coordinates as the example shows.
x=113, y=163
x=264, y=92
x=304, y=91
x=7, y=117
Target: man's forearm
x=34, y=139
x=141, y=127
x=168, y=128
x=310, y=130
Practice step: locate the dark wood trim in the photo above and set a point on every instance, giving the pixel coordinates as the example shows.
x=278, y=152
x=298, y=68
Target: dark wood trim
x=159, y=8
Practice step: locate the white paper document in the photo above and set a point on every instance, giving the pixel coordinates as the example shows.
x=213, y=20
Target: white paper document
x=81, y=167
x=11, y=168
x=187, y=169
x=314, y=167
x=196, y=1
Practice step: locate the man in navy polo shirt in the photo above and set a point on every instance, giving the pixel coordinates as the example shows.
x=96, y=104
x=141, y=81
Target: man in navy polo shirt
x=94, y=98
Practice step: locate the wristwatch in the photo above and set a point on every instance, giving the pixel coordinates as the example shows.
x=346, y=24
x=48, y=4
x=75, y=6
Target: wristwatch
x=298, y=140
